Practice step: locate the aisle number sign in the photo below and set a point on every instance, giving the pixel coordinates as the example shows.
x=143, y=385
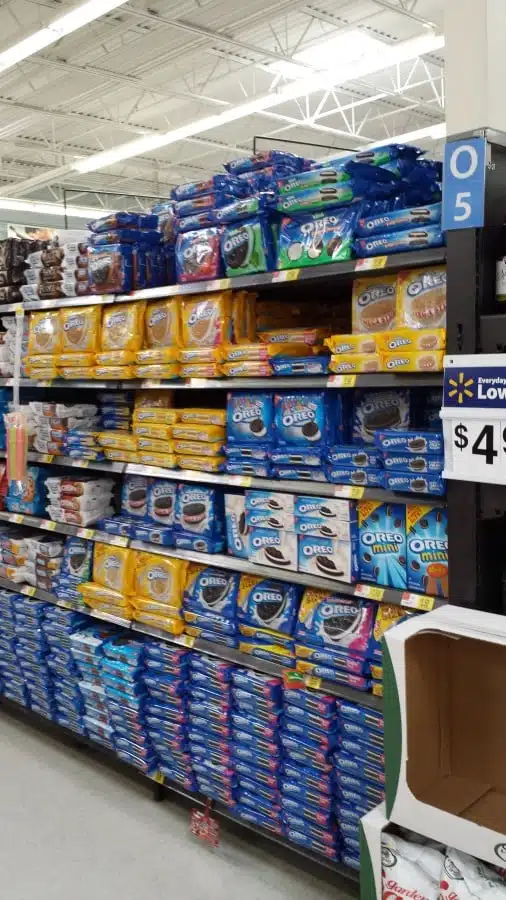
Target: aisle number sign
x=474, y=418
x=464, y=169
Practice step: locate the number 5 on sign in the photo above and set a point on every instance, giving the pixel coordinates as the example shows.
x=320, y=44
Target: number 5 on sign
x=464, y=171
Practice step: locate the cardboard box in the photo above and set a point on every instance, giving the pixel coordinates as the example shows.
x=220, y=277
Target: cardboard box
x=445, y=729
x=371, y=829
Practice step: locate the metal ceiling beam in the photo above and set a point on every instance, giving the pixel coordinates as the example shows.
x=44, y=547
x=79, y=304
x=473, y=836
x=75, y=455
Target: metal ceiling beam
x=403, y=11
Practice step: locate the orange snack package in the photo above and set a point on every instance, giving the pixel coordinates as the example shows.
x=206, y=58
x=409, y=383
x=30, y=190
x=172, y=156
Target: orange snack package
x=123, y=326
x=44, y=334
x=80, y=329
x=207, y=320
x=163, y=324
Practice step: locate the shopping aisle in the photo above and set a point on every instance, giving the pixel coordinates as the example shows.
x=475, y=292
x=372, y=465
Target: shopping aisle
x=72, y=828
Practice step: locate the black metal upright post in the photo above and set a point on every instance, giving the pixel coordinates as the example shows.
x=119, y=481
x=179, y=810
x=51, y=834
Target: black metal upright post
x=474, y=529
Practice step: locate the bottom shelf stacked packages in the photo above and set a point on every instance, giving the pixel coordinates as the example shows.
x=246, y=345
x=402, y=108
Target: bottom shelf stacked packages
x=302, y=765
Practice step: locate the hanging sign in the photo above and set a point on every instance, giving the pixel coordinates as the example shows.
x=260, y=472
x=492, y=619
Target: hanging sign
x=464, y=170
x=474, y=418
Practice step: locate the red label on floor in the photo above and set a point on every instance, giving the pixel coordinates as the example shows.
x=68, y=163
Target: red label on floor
x=203, y=826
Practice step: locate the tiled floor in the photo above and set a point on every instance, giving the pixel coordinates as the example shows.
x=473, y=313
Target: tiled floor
x=72, y=829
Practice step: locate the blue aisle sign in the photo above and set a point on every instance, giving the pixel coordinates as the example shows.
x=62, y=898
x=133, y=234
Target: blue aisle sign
x=464, y=171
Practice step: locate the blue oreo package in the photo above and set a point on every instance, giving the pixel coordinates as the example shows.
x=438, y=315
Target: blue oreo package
x=268, y=732
x=268, y=604
x=398, y=220
x=250, y=418
x=374, y=411
x=210, y=590
x=359, y=768
x=238, y=452
x=263, y=158
x=417, y=465
x=257, y=744
x=199, y=510
x=217, y=182
x=296, y=815
x=256, y=818
x=263, y=686
x=408, y=482
x=305, y=796
x=352, y=712
x=307, y=418
x=301, y=473
x=264, y=806
x=310, y=842
x=249, y=467
x=382, y=543
x=335, y=623
x=361, y=750
x=325, y=741
x=409, y=442
x=300, y=456
x=300, y=365
x=122, y=526
x=313, y=720
x=354, y=457
x=77, y=559
x=416, y=238
x=266, y=792
x=310, y=702
x=358, y=732
x=364, y=477
x=161, y=501
x=243, y=753
x=191, y=205
x=197, y=220
x=247, y=769
x=153, y=534
x=305, y=754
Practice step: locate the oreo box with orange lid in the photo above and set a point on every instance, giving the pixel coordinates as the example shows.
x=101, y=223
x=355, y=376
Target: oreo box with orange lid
x=382, y=543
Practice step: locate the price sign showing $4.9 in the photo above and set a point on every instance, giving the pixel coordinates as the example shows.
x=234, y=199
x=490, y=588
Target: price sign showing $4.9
x=479, y=449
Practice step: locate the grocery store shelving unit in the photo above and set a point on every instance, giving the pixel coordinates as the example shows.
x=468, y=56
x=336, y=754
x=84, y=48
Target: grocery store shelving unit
x=285, y=284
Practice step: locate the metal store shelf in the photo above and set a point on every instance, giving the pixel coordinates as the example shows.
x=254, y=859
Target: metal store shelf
x=234, y=564
x=310, y=275
x=212, y=649
x=271, y=383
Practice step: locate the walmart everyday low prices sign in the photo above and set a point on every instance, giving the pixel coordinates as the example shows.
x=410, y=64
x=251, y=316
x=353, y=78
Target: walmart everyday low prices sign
x=474, y=418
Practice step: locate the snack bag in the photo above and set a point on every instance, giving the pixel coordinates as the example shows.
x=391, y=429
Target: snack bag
x=163, y=324
x=243, y=316
x=409, y=869
x=421, y=297
x=374, y=304
x=465, y=878
x=116, y=358
x=207, y=320
x=80, y=329
x=44, y=334
x=160, y=579
x=123, y=326
x=114, y=568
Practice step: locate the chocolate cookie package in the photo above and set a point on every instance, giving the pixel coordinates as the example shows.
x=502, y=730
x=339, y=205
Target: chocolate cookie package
x=316, y=238
x=248, y=247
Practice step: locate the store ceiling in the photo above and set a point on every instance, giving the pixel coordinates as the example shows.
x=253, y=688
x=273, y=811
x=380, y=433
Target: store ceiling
x=151, y=66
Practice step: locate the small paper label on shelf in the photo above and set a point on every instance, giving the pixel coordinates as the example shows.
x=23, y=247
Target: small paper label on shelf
x=45, y=457
x=151, y=383
x=48, y=526
x=286, y=275
x=29, y=591
x=186, y=640
x=116, y=540
x=371, y=262
x=342, y=381
x=369, y=591
x=86, y=533
x=418, y=601
x=349, y=491
x=221, y=284
x=159, y=778
x=17, y=518
x=312, y=682
x=43, y=383
x=240, y=480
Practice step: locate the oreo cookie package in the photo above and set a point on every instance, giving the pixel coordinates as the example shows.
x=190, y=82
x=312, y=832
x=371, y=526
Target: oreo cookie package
x=161, y=501
x=268, y=604
x=237, y=530
x=210, y=590
x=249, y=418
x=134, y=496
x=307, y=418
x=375, y=411
x=199, y=510
x=247, y=247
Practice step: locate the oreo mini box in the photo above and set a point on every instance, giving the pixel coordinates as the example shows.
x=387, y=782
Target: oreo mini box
x=427, y=539
x=382, y=543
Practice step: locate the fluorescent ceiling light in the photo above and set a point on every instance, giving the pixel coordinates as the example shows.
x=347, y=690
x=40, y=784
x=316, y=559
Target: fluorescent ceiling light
x=347, y=48
x=431, y=132
x=57, y=29
x=53, y=209
x=338, y=74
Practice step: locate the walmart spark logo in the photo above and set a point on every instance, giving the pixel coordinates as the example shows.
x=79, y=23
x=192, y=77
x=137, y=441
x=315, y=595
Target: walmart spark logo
x=461, y=388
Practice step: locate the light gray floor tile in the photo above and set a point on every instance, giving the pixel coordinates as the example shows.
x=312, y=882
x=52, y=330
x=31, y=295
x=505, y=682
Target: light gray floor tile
x=72, y=829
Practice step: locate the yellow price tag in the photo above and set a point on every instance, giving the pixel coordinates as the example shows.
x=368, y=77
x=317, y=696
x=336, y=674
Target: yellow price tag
x=241, y=480
x=311, y=682
x=45, y=458
x=418, y=601
x=118, y=541
x=351, y=492
x=17, y=518
x=29, y=591
x=222, y=284
x=44, y=383
x=48, y=526
x=86, y=533
x=371, y=262
x=370, y=592
x=285, y=275
x=342, y=381
x=187, y=640
x=18, y=308
x=159, y=778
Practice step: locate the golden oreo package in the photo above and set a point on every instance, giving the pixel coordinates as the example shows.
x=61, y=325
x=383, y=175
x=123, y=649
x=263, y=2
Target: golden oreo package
x=152, y=415
x=161, y=399
x=348, y=363
x=114, y=373
x=425, y=361
x=411, y=340
x=117, y=440
x=206, y=433
x=160, y=460
x=81, y=329
x=121, y=455
x=206, y=320
x=157, y=355
x=123, y=326
x=161, y=579
x=114, y=567
x=200, y=370
x=421, y=297
x=198, y=448
x=163, y=324
x=76, y=372
x=202, y=463
x=149, y=430
x=203, y=416
x=353, y=343
x=43, y=360
x=373, y=304
x=79, y=360
x=44, y=335
x=167, y=371
x=116, y=358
